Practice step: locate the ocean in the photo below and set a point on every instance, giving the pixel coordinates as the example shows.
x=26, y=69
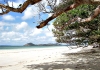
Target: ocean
x=24, y=47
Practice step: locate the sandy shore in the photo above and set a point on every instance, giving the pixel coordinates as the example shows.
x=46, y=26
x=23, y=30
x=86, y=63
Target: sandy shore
x=48, y=59
x=18, y=59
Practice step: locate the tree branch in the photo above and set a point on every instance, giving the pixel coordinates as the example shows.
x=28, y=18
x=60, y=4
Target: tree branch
x=94, y=15
x=80, y=20
x=21, y=9
x=6, y=9
x=44, y=23
x=76, y=4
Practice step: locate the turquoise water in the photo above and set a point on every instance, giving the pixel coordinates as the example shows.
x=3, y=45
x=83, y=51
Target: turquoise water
x=24, y=47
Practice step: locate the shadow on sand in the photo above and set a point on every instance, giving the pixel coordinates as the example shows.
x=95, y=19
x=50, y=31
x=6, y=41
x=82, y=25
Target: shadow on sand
x=87, y=61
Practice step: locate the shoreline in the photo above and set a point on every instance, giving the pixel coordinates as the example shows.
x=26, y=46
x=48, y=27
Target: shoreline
x=27, y=59
x=30, y=49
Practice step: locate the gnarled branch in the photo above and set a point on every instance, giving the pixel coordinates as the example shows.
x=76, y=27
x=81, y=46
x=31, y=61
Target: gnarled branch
x=76, y=4
x=94, y=15
x=80, y=20
x=44, y=23
x=21, y=9
x=6, y=9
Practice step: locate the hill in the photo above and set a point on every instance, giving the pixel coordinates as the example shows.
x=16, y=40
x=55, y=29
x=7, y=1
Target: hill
x=29, y=44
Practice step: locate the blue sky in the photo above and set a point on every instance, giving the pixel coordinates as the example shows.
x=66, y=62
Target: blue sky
x=19, y=29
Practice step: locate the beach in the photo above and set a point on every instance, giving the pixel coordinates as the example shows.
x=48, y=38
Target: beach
x=54, y=58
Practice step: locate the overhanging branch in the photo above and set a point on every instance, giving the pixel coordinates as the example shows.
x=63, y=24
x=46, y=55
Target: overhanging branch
x=44, y=23
x=21, y=9
x=80, y=20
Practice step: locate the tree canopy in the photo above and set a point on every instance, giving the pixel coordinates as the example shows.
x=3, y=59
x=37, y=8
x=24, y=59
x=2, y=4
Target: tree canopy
x=76, y=32
x=67, y=5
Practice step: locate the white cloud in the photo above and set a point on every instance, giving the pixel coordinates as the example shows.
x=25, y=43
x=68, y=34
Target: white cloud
x=36, y=31
x=16, y=39
x=49, y=34
x=21, y=33
x=17, y=34
x=6, y=24
x=1, y=28
x=51, y=26
x=8, y=34
x=30, y=12
x=40, y=38
x=15, y=4
x=33, y=11
x=6, y=39
x=8, y=17
x=22, y=25
x=0, y=10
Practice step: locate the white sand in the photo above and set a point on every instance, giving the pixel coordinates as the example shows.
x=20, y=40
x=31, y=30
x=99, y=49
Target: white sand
x=17, y=59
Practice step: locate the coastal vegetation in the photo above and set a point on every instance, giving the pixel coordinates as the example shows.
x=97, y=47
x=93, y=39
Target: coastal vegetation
x=76, y=33
x=66, y=5
x=74, y=20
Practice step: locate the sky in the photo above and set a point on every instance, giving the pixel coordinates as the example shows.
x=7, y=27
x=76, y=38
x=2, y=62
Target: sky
x=19, y=28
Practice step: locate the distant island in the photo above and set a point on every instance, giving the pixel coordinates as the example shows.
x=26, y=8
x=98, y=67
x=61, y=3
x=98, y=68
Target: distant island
x=29, y=44
x=50, y=44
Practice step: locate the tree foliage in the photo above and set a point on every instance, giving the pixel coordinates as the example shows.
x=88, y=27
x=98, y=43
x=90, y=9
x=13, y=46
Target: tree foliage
x=76, y=32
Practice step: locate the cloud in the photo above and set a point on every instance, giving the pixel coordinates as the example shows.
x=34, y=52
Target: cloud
x=8, y=34
x=49, y=34
x=6, y=24
x=0, y=10
x=1, y=28
x=15, y=4
x=8, y=17
x=16, y=39
x=30, y=12
x=35, y=31
x=22, y=25
x=46, y=35
x=21, y=33
x=33, y=11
